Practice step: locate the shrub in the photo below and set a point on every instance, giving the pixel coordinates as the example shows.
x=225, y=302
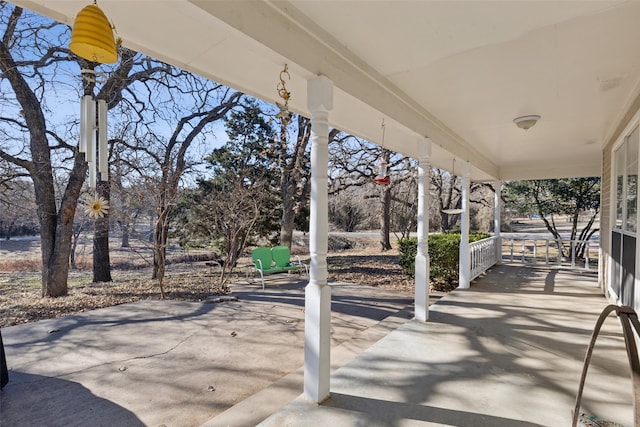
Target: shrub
x=443, y=255
x=408, y=248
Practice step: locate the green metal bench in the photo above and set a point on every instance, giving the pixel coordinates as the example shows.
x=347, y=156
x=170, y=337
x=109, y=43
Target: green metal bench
x=275, y=260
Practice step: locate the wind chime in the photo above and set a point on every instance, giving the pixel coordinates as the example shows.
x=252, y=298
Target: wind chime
x=93, y=126
x=383, y=177
x=93, y=143
x=92, y=38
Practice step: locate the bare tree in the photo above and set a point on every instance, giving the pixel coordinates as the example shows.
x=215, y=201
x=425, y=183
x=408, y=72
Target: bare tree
x=405, y=200
x=294, y=176
x=228, y=210
x=447, y=192
x=17, y=208
x=132, y=86
x=129, y=197
x=36, y=67
x=355, y=163
x=349, y=210
x=25, y=61
x=447, y=196
x=160, y=160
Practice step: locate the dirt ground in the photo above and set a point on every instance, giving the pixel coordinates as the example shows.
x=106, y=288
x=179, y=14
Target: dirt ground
x=20, y=282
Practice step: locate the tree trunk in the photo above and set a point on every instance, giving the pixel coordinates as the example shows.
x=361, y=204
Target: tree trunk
x=101, y=260
x=160, y=247
x=59, y=233
x=160, y=250
x=152, y=228
x=56, y=230
x=293, y=196
x=74, y=246
x=444, y=221
x=40, y=170
x=287, y=223
x=9, y=230
x=125, y=234
x=47, y=221
x=385, y=219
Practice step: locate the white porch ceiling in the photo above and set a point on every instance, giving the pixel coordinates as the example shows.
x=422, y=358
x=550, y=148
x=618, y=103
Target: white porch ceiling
x=456, y=71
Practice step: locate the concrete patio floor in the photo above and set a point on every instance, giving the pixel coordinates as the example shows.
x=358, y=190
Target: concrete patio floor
x=507, y=352
x=172, y=363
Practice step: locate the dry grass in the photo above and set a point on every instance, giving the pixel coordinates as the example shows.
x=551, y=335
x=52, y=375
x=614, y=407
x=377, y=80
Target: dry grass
x=371, y=269
x=20, y=299
x=188, y=277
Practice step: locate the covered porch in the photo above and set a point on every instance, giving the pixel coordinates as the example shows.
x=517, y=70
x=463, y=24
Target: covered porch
x=506, y=352
x=449, y=78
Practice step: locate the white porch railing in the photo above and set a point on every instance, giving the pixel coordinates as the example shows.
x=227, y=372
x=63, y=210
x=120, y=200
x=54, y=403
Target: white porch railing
x=484, y=254
x=545, y=251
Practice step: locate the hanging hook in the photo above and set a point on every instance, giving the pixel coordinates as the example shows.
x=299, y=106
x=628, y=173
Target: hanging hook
x=282, y=87
x=284, y=114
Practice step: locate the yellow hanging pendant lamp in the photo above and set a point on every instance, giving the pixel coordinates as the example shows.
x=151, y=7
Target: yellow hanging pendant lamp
x=92, y=36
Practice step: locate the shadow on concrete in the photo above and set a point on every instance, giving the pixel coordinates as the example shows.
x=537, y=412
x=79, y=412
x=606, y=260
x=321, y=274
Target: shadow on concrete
x=70, y=405
x=176, y=362
x=67, y=324
x=549, y=281
x=386, y=412
x=360, y=302
x=507, y=352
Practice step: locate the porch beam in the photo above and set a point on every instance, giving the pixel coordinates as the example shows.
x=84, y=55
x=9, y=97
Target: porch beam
x=317, y=318
x=422, y=256
x=464, y=275
x=280, y=26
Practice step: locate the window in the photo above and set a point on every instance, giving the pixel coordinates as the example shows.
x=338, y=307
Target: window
x=619, y=185
x=626, y=181
x=623, y=235
x=632, y=181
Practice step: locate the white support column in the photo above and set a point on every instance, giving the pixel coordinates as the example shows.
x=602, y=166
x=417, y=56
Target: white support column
x=422, y=256
x=464, y=276
x=497, y=208
x=317, y=317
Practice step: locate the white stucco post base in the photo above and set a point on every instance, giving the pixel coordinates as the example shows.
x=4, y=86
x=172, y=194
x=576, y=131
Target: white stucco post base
x=422, y=255
x=317, y=318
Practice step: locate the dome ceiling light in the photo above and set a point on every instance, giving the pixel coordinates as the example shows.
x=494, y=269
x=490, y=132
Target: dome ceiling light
x=526, y=122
